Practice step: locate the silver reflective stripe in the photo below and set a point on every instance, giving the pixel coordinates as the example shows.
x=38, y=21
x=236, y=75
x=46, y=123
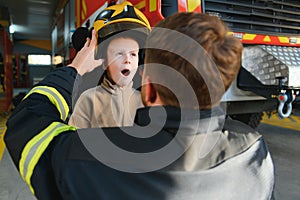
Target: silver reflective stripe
x=55, y=97
x=58, y=100
x=34, y=148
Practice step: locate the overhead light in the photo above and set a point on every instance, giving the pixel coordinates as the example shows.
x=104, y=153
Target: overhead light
x=11, y=29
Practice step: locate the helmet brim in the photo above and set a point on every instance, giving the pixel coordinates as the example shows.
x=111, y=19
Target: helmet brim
x=114, y=28
x=130, y=30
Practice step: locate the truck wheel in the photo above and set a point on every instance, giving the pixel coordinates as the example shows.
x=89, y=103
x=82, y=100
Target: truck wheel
x=251, y=119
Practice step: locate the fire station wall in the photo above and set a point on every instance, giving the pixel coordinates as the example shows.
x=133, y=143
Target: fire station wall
x=35, y=72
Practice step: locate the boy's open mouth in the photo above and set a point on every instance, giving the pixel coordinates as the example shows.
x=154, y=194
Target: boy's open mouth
x=125, y=72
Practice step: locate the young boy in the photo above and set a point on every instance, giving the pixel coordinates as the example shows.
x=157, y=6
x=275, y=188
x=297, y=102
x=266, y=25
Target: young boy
x=114, y=101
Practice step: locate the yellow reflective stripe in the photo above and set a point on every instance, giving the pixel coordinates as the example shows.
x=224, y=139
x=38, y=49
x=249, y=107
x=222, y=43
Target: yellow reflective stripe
x=34, y=149
x=140, y=5
x=249, y=36
x=193, y=4
x=55, y=97
x=152, y=5
x=284, y=39
x=267, y=39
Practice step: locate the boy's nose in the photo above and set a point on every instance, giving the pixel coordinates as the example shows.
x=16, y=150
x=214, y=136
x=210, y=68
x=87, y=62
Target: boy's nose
x=127, y=58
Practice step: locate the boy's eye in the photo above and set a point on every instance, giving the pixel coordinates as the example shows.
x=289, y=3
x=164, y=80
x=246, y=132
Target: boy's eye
x=133, y=54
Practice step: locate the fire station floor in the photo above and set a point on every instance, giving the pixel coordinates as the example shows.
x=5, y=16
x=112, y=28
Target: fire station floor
x=12, y=187
x=282, y=137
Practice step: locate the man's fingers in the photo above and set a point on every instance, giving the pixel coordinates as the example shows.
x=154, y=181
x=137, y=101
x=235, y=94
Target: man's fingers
x=85, y=61
x=91, y=42
x=94, y=38
x=87, y=43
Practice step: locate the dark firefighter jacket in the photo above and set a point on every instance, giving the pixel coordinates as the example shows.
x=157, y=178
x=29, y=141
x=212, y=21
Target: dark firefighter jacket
x=170, y=153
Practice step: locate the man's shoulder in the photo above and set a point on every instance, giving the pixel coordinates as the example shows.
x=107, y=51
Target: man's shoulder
x=233, y=140
x=238, y=137
x=239, y=134
x=238, y=127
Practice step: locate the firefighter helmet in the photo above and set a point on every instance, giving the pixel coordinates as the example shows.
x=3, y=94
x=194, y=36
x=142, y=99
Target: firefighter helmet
x=118, y=18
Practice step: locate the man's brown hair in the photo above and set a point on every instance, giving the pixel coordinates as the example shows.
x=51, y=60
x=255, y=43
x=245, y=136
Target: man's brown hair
x=200, y=49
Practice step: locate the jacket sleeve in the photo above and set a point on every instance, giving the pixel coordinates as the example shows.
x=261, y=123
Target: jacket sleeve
x=38, y=119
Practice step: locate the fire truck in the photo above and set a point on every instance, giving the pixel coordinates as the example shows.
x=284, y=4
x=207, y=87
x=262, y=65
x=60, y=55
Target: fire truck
x=269, y=78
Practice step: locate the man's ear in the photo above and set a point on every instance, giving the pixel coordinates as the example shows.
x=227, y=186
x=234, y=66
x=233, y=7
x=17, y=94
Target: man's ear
x=150, y=92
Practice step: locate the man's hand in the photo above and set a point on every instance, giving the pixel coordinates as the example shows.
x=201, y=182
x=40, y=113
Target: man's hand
x=85, y=61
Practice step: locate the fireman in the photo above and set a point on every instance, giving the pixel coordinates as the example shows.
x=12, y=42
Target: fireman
x=180, y=147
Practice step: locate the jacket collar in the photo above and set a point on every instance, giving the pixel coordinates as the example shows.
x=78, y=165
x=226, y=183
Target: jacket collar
x=113, y=88
x=169, y=117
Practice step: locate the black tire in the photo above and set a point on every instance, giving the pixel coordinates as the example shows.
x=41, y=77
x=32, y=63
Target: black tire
x=251, y=119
